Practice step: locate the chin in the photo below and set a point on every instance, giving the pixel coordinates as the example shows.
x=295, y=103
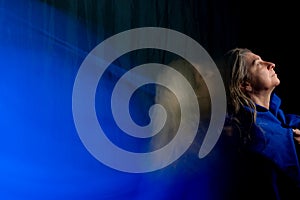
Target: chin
x=277, y=82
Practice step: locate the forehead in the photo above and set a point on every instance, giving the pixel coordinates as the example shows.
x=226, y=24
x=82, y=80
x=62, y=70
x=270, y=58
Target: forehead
x=250, y=58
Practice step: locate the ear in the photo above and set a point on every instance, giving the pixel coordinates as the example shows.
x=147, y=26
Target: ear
x=246, y=86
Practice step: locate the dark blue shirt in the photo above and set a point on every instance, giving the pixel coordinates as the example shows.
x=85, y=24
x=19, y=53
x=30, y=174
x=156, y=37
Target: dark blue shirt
x=267, y=165
x=274, y=137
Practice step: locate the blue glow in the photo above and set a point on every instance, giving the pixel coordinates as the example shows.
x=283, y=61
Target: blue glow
x=41, y=155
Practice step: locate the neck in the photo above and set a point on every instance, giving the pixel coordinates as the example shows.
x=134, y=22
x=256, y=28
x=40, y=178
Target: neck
x=262, y=99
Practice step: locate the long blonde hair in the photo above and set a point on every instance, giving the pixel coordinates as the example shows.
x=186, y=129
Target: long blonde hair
x=236, y=74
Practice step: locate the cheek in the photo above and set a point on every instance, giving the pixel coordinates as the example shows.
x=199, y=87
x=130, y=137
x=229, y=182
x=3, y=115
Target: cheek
x=258, y=79
x=261, y=83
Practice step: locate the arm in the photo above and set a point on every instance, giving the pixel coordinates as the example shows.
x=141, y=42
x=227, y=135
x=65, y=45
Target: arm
x=294, y=122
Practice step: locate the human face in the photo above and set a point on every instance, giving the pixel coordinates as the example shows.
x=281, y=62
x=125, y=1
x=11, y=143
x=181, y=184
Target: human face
x=262, y=76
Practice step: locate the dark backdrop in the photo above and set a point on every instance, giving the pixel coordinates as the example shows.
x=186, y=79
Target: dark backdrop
x=269, y=28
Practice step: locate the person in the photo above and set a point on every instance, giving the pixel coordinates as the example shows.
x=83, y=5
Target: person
x=263, y=139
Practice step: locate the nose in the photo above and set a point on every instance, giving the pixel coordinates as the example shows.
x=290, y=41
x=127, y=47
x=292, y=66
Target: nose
x=270, y=65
